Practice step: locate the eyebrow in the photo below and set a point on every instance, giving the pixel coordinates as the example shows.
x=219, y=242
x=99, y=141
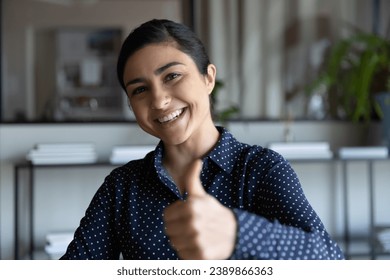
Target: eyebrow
x=157, y=72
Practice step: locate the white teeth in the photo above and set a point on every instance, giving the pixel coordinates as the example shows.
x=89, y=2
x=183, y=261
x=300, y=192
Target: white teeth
x=171, y=116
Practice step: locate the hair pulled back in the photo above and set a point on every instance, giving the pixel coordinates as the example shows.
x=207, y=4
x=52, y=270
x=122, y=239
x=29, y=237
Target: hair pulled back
x=159, y=31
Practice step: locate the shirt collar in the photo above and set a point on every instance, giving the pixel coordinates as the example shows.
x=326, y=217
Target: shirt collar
x=224, y=154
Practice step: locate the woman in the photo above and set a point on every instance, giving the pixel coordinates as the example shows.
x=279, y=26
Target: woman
x=200, y=194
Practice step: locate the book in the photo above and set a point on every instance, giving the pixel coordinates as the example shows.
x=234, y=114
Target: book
x=123, y=154
x=57, y=243
x=63, y=160
x=383, y=237
x=302, y=150
x=301, y=146
x=371, y=152
x=62, y=153
x=38, y=154
x=56, y=147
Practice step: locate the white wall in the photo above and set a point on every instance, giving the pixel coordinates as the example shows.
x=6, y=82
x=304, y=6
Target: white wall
x=63, y=194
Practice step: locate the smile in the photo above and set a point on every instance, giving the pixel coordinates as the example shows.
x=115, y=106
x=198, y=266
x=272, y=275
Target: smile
x=172, y=116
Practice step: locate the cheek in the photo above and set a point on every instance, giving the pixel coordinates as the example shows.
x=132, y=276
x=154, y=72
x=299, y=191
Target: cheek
x=140, y=115
x=138, y=110
x=195, y=92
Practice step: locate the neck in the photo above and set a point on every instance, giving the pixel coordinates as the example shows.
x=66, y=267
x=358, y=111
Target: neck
x=178, y=157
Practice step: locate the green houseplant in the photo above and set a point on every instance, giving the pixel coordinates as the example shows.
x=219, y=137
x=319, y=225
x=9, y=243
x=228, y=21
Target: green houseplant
x=221, y=116
x=355, y=70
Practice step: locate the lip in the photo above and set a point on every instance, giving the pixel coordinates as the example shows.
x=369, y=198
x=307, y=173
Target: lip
x=171, y=116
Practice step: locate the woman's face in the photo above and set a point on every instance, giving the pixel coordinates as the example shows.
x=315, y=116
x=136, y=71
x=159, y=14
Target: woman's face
x=169, y=96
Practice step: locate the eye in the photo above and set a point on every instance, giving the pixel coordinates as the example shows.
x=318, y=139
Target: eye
x=171, y=76
x=138, y=90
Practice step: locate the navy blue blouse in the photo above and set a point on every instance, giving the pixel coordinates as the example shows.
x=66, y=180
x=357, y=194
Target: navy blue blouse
x=275, y=220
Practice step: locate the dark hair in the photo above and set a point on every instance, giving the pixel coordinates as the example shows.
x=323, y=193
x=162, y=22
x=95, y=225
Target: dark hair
x=158, y=31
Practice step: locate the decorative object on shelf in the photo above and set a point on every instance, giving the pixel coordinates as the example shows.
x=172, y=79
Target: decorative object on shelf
x=86, y=85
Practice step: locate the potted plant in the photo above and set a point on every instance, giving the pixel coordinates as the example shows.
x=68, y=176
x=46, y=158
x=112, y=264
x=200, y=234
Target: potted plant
x=355, y=80
x=223, y=115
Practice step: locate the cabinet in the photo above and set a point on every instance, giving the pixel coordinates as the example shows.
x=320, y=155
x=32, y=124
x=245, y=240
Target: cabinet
x=348, y=236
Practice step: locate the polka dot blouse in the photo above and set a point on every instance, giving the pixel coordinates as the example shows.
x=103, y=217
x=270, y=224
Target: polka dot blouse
x=275, y=220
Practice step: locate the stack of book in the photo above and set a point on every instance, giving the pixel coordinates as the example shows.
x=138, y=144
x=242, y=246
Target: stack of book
x=302, y=150
x=123, y=154
x=374, y=152
x=63, y=153
x=383, y=236
x=57, y=243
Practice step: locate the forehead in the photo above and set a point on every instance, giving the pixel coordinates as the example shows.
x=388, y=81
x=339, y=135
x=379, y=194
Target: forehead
x=155, y=55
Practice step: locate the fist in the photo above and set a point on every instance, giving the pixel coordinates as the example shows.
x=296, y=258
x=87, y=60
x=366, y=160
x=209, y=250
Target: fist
x=200, y=227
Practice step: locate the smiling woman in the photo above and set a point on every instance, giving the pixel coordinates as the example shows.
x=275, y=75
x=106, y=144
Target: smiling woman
x=201, y=194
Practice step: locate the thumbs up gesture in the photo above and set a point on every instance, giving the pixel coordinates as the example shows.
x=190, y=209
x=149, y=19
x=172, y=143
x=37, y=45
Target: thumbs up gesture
x=200, y=227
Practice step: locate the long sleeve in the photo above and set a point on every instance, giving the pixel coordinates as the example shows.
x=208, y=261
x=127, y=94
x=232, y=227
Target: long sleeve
x=95, y=238
x=280, y=224
x=259, y=238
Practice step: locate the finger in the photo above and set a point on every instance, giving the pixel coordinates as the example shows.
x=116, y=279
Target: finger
x=194, y=186
x=192, y=254
x=179, y=227
x=176, y=210
x=180, y=242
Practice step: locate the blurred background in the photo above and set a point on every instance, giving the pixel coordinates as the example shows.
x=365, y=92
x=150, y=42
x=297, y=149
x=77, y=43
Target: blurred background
x=285, y=70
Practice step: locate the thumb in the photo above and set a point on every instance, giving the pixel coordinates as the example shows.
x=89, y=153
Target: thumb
x=194, y=186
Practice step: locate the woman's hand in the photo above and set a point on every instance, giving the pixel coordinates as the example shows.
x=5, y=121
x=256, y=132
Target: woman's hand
x=200, y=227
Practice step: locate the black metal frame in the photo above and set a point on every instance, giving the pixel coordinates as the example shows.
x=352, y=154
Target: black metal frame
x=30, y=190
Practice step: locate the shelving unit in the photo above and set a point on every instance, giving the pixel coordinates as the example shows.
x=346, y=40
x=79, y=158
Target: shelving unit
x=356, y=247
x=374, y=249
x=30, y=168
x=353, y=249
x=86, y=82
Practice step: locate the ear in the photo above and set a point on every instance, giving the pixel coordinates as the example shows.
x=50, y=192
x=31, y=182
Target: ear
x=210, y=77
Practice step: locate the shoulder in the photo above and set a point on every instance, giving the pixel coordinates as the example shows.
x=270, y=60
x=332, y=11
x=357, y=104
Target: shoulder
x=232, y=150
x=268, y=163
x=133, y=168
x=259, y=155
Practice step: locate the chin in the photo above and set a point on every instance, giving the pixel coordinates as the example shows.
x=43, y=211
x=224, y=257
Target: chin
x=174, y=141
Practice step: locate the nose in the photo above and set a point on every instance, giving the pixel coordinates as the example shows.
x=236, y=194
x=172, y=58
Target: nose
x=160, y=99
